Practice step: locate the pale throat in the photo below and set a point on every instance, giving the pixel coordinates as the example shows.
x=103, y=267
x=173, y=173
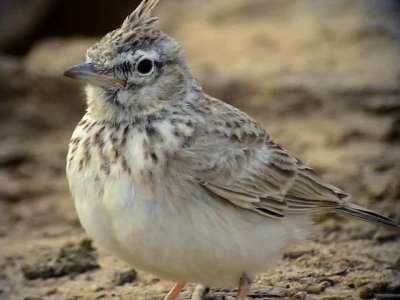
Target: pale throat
x=102, y=107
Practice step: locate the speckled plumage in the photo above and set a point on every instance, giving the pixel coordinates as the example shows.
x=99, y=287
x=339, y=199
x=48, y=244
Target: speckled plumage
x=176, y=182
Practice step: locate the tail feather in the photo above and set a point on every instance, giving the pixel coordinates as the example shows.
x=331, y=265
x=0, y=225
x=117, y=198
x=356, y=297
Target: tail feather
x=366, y=215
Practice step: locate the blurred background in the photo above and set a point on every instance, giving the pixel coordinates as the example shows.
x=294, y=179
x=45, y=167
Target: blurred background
x=323, y=77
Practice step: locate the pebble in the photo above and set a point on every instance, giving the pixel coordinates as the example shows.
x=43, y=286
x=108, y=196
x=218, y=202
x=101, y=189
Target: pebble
x=125, y=277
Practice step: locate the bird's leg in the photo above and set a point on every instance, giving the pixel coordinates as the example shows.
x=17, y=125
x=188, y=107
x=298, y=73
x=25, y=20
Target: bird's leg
x=244, y=287
x=199, y=292
x=176, y=289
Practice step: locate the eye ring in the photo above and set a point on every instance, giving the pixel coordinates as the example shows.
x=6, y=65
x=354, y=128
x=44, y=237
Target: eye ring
x=145, y=66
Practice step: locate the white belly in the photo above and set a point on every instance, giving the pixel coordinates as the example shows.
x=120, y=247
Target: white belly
x=196, y=239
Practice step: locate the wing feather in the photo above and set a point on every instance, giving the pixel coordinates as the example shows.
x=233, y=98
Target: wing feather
x=234, y=158
x=237, y=161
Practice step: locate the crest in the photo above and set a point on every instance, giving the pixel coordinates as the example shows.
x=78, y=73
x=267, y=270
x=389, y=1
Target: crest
x=141, y=17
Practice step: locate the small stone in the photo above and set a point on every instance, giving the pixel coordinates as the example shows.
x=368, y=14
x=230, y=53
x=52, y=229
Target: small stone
x=70, y=260
x=125, y=277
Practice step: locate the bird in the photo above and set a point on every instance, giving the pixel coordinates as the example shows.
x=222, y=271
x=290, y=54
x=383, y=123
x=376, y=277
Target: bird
x=178, y=183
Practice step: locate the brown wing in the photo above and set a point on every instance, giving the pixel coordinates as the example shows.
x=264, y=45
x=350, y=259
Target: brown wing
x=234, y=158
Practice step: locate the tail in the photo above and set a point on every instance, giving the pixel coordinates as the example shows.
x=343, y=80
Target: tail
x=364, y=214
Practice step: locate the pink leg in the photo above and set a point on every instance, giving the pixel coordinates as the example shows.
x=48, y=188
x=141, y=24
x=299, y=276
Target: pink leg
x=174, y=292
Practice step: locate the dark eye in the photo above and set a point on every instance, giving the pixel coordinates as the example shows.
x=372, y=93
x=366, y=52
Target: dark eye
x=145, y=66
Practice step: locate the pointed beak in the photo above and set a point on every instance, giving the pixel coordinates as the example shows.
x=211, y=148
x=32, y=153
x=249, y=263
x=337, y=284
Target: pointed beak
x=86, y=72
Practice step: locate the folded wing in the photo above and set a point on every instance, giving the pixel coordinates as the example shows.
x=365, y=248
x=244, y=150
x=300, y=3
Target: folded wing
x=235, y=159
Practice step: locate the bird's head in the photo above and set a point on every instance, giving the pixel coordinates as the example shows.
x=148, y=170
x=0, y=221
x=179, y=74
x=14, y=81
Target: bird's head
x=134, y=70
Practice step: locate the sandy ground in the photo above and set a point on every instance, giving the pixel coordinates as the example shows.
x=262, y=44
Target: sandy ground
x=323, y=79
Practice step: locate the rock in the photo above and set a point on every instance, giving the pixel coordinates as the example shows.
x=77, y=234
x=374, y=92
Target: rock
x=125, y=277
x=70, y=260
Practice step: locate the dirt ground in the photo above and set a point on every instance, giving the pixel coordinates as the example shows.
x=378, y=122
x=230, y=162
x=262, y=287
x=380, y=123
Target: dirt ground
x=323, y=77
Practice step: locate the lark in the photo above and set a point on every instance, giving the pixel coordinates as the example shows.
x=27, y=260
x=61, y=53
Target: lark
x=178, y=183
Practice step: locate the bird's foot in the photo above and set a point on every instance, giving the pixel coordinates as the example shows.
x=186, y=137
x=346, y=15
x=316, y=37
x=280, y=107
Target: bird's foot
x=244, y=287
x=199, y=292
